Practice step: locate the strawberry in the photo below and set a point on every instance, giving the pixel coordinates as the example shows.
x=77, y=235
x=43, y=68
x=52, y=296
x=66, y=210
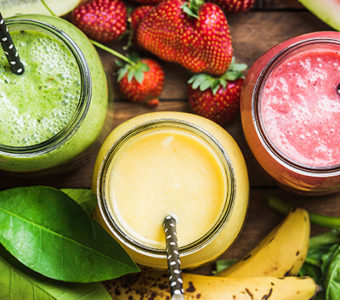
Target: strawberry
x=141, y=81
x=217, y=98
x=138, y=14
x=194, y=34
x=148, y=2
x=101, y=20
x=234, y=6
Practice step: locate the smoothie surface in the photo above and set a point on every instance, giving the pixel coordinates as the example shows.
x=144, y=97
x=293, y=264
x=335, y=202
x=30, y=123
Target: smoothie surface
x=300, y=107
x=37, y=105
x=167, y=172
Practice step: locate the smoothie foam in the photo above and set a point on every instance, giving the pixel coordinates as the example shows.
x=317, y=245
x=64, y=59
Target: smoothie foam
x=300, y=107
x=35, y=106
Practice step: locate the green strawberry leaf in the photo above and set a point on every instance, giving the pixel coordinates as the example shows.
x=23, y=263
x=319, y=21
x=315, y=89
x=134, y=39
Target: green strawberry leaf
x=122, y=72
x=131, y=74
x=134, y=57
x=215, y=88
x=189, y=11
x=239, y=67
x=119, y=63
x=139, y=75
x=197, y=80
x=207, y=83
x=231, y=75
x=204, y=81
x=223, y=82
x=144, y=67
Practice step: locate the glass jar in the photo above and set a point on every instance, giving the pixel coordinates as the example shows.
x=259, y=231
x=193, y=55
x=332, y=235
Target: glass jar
x=86, y=119
x=290, y=113
x=205, y=230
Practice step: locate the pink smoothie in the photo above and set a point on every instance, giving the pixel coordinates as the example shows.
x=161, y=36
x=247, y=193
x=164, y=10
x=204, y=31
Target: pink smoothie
x=300, y=107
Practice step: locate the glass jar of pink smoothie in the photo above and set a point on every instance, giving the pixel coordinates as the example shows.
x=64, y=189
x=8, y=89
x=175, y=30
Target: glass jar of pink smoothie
x=290, y=110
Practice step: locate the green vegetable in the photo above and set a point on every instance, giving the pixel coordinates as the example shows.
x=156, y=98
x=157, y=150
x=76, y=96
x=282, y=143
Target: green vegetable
x=84, y=197
x=325, y=221
x=15, y=284
x=223, y=264
x=51, y=234
x=331, y=269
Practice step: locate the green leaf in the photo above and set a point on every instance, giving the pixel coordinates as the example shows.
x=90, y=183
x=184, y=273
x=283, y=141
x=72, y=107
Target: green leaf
x=143, y=67
x=327, y=238
x=197, y=80
x=131, y=74
x=215, y=88
x=223, y=82
x=122, y=72
x=189, y=11
x=223, y=264
x=207, y=83
x=327, y=258
x=332, y=280
x=134, y=57
x=239, y=67
x=119, y=63
x=84, y=197
x=312, y=271
x=15, y=284
x=139, y=75
x=50, y=233
x=231, y=75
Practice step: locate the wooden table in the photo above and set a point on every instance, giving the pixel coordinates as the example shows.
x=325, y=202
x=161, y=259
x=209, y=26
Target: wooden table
x=269, y=23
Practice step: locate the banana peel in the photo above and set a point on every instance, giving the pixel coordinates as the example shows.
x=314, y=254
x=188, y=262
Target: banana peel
x=281, y=253
x=150, y=284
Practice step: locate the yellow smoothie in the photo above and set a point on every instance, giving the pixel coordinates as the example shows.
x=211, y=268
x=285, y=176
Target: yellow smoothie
x=171, y=163
x=164, y=172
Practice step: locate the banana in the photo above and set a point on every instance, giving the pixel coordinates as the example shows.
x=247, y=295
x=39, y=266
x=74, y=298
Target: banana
x=153, y=285
x=281, y=253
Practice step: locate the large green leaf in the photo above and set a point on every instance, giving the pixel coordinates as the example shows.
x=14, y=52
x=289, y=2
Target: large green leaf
x=15, y=284
x=332, y=280
x=51, y=234
x=84, y=197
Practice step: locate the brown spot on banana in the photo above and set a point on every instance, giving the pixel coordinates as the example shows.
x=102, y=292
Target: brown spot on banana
x=266, y=297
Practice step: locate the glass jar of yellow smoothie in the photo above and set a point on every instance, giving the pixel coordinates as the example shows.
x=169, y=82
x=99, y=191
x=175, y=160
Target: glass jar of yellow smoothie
x=171, y=163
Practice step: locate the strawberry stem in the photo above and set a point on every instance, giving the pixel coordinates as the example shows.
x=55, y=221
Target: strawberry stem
x=47, y=7
x=192, y=7
x=113, y=52
x=101, y=46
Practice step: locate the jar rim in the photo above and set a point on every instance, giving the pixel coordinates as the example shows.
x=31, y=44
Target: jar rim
x=84, y=102
x=256, y=108
x=102, y=186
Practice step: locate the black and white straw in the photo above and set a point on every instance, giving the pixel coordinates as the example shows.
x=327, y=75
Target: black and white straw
x=174, y=264
x=9, y=48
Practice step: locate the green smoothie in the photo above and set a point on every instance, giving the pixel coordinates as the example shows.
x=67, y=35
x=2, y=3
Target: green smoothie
x=54, y=111
x=38, y=104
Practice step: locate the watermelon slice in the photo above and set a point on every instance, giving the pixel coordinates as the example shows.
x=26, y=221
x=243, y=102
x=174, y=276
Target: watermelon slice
x=327, y=10
x=59, y=7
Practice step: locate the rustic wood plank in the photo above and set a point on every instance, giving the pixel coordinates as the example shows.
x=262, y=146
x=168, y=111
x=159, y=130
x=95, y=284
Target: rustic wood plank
x=278, y=5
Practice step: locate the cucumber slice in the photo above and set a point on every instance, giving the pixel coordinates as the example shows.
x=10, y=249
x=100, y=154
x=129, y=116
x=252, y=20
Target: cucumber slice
x=10, y=8
x=326, y=10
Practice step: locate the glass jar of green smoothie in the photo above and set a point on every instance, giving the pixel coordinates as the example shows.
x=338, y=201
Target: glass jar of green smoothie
x=56, y=109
